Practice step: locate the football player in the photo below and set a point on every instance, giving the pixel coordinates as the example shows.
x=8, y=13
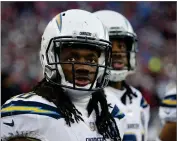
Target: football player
x=69, y=104
x=167, y=113
x=124, y=48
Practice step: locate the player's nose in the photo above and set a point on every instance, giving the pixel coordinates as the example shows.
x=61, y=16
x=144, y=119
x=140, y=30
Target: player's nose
x=82, y=71
x=117, y=55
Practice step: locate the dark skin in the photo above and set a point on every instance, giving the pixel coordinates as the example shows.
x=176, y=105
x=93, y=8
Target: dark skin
x=119, y=54
x=168, y=132
x=82, y=55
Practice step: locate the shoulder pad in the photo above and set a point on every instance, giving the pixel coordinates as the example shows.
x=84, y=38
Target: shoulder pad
x=116, y=106
x=143, y=102
x=137, y=92
x=169, y=101
x=116, y=113
x=29, y=103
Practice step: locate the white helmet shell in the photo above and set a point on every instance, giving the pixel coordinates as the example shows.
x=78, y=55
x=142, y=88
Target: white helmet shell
x=72, y=26
x=118, y=25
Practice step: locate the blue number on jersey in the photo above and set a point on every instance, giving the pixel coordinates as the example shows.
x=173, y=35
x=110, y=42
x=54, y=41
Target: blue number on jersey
x=129, y=137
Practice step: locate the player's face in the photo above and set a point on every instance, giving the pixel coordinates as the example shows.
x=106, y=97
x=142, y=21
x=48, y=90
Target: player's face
x=84, y=74
x=119, y=55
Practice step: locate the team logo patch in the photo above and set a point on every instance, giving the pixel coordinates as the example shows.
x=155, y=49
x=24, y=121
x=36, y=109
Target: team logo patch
x=59, y=21
x=92, y=126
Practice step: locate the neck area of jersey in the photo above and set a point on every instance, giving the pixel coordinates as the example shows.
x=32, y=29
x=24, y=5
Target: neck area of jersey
x=78, y=97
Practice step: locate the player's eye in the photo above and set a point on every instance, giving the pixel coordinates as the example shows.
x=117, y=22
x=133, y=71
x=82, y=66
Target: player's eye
x=93, y=61
x=122, y=46
x=71, y=60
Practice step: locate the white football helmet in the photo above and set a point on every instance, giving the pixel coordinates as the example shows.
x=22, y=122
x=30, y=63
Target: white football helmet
x=75, y=26
x=119, y=27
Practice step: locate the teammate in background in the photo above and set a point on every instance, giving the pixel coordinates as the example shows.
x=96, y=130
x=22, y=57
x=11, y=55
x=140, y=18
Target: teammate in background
x=124, y=48
x=69, y=104
x=167, y=113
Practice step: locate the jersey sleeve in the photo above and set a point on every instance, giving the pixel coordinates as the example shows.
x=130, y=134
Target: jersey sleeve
x=43, y=128
x=21, y=116
x=20, y=125
x=167, y=110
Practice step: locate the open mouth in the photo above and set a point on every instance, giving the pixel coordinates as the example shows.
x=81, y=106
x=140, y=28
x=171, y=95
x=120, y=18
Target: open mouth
x=82, y=81
x=118, y=61
x=118, y=65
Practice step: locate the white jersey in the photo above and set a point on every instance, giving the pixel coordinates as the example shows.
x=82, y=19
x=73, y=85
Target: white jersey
x=167, y=110
x=36, y=117
x=137, y=114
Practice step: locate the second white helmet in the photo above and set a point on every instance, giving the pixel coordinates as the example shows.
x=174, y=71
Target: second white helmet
x=118, y=26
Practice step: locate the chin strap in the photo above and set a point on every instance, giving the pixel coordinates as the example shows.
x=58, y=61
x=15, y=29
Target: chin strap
x=116, y=76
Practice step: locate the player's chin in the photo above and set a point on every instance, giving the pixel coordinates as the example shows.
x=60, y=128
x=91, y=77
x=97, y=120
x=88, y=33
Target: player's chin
x=119, y=66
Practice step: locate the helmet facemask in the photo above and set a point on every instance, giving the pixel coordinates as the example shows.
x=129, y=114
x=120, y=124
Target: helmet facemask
x=130, y=41
x=54, y=72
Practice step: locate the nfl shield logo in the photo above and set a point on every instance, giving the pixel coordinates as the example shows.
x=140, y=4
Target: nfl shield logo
x=92, y=126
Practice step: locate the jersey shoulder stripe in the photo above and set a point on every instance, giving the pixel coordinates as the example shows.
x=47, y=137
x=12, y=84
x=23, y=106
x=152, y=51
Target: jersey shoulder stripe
x=169, y=101
x=143, y=103
x=140, y=99
x=116, y=113
x=29, y=107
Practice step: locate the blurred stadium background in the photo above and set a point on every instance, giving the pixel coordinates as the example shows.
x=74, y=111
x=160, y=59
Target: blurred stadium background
x=22, y=24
